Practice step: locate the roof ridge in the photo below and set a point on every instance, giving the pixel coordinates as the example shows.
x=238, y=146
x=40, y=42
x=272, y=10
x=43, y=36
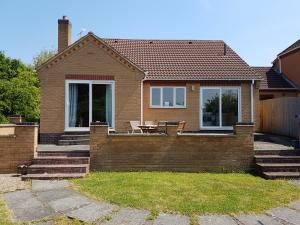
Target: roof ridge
x=138, y=39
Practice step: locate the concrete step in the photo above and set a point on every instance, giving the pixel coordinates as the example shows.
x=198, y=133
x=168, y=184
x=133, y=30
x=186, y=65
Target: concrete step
x=74, y=137
x=277, y=152
x=53, y=176
x=281, y=175
x=279, y=167
x=53, y=169
x=56, y=160
x=277, y=159
x=68, y=153
x=74, y=142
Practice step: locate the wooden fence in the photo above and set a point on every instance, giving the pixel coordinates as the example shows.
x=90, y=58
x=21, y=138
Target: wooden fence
x=278, y=116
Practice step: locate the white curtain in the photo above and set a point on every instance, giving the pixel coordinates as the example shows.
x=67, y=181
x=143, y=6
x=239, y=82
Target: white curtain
x=108, y=102
x=73, y=99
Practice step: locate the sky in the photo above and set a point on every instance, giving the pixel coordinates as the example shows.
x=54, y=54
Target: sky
x=256, y=29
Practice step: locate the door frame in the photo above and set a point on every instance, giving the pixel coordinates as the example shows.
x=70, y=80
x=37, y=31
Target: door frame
x=90, y=82
x=220, y=107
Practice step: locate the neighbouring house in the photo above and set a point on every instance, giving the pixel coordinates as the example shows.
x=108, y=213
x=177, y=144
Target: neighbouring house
x=275, y=84
x=203, y=82
x=287, y=62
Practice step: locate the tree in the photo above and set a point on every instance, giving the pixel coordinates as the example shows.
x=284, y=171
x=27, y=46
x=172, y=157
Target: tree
x=42, y=57
x=19, y=90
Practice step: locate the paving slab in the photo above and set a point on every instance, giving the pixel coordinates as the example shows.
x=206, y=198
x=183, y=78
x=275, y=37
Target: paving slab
x=171, y=219
x=14, y=198
x=128, y=216
x=45, y=185
x=216, y=220
x=92, y=212
x=295, y=205
x=286, y=214
x=69, y=203
x=55, y=194
x=260, y=219
x=26, y=207
x=32, y=214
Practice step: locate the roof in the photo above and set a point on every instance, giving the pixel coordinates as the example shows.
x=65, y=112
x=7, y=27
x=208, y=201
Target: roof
x=184, y=59
x=170, y=59
x=292, y=47
x=274, y=80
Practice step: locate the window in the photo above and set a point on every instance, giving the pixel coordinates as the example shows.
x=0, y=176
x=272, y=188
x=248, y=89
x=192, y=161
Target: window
x=168, y=97
x=220, y=107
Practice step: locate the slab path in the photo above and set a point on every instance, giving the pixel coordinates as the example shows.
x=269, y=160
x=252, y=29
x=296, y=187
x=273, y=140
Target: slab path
x=49, y=199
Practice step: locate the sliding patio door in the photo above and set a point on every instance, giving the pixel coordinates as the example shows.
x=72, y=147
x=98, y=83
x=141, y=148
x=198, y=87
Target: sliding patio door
x=88, y=101
x=220, y=107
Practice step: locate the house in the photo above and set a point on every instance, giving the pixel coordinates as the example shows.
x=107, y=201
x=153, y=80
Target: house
x=275, y=84
x=287, y=62
x=205, y=83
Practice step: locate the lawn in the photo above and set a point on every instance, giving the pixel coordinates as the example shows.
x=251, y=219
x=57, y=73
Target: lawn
x=4, y=215
x=188, y=193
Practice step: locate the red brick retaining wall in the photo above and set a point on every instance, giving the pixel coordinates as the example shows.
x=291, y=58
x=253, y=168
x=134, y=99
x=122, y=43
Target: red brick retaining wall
x=17, y=146
x=172, y=152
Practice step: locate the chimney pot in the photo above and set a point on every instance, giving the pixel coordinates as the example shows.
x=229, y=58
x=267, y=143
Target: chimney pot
x=64, y=33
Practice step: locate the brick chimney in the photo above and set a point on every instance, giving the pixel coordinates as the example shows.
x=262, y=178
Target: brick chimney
x=64, y=33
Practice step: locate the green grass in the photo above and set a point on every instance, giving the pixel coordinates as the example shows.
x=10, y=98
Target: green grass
x=4, y=214
x=188, y=193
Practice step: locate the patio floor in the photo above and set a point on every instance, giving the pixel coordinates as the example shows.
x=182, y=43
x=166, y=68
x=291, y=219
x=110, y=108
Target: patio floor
x=272, y=142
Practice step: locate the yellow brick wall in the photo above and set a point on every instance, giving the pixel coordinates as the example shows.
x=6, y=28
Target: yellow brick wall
x=91, y=59
x=191, y=114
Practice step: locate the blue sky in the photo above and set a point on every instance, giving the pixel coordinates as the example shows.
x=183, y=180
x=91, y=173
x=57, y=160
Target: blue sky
x=257, y=30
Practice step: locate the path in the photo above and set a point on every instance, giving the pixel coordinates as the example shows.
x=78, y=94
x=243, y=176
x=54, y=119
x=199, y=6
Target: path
x=48, y=199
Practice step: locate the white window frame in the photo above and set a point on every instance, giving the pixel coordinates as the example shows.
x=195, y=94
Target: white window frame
x=90, y=82
x=220, y=127
x=174, y=97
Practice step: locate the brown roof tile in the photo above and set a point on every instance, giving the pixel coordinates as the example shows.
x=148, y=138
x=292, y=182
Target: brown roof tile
x=273, y=79
x=184, y=59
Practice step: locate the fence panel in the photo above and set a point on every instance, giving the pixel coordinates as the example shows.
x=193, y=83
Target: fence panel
x=278, y=116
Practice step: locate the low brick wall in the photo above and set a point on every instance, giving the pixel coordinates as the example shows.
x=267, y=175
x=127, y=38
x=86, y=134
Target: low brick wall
x=172, y=152
x=17, y=146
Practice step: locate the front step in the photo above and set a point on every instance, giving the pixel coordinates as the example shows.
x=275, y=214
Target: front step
x=277, y=152
x=279, y=167
x=69, y=153
x=52, y=169
x=278, y=164
x=281, y=175
x=74, y=136
x=59, y=164
x=59, y=160
x=74, y=142
x=276, y=159
x=53, y=176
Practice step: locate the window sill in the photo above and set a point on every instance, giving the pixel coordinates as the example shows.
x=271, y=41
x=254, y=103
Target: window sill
x=159, y=107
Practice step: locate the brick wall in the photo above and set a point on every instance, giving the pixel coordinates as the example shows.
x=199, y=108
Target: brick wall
x=17, y=148
x=191, y=114
x=88, y=59
x=172, y=152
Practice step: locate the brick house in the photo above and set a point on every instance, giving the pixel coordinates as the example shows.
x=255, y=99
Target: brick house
x=204, y=83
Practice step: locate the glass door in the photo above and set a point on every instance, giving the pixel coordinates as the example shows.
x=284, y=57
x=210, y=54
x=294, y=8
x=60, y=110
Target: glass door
x=211, y=108
x=78, y=103
x=220, y=107
x=88, y=101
